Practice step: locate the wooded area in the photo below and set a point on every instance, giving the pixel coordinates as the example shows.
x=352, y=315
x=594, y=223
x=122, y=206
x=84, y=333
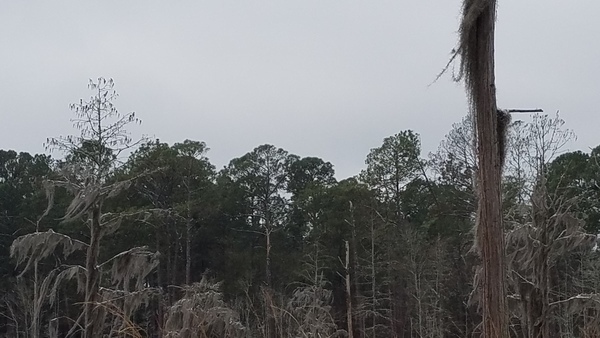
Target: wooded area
x=160, y=243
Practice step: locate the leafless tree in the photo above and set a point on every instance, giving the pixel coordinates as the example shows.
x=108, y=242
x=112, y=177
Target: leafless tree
x=545, y=235
x=476, y=49
x=91, y=160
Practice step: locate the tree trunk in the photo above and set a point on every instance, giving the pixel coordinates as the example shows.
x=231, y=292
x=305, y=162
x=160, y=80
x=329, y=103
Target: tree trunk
x=489, y=228
x=373, y=285
x=348, y=294
x=188, y=252
x=188, y=234
x=271, y=325
x=91, y=283
x=35, y=316
x=159, y=282
x=477, y=66
x=268, y=257
x=352, y=271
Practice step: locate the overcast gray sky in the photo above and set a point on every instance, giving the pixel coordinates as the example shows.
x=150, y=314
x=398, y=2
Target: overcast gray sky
x=317, y=78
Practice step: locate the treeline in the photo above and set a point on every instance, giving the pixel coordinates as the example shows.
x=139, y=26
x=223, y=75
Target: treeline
x=165, y=245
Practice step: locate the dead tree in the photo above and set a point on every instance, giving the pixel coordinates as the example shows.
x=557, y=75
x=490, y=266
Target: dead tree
x=476, y=48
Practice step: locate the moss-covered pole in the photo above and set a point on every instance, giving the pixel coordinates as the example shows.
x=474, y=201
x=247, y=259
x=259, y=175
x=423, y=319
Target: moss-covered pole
x=476, y=48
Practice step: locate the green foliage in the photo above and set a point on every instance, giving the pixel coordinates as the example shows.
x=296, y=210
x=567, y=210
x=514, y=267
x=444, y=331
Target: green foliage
x=575, y=176
x=307, y=172
x=392, y=166
x=260, y=246
x=22, y=202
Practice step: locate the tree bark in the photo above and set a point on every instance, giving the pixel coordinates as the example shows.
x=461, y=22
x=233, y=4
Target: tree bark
x=188, y=232
x=271, y=324
x=159, y=283
x=35, y=316
x=477, y=66
x=373, y=285
x=268, y=257
x=348, y=294
x=91, y=283
x=490, y=232
x=188, y=252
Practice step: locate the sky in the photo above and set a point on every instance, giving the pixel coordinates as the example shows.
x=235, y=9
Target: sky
x=322, y=78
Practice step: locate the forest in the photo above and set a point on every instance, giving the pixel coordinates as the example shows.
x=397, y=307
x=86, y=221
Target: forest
x=117, y=237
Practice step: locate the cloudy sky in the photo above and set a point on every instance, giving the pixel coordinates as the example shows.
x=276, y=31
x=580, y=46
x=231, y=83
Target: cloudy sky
x=317, y=78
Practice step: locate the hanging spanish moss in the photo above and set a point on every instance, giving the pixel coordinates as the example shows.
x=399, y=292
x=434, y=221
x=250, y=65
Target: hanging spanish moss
x=476, y=45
